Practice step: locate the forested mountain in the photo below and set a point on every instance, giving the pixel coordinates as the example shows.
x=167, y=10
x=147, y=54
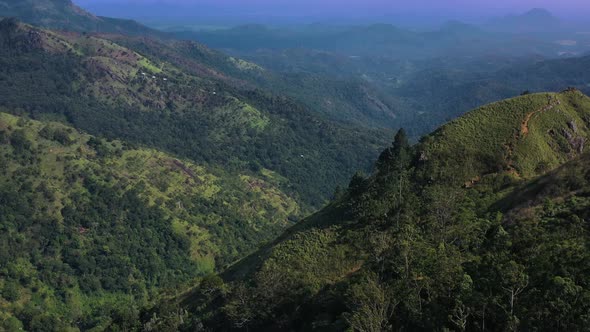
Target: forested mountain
x=384, y=76
x=480, y=226
x=155, y=184
x=182, y=98
x=189, y=168
x=416, y=95
x=91, y=230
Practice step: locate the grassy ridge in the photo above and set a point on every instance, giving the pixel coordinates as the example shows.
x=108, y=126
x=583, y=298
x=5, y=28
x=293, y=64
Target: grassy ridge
x=525, y=136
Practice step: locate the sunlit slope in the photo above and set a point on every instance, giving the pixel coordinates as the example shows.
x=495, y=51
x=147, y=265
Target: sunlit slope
x=106, y=222
x=525, y=136
x=453, y=219
x=151, y=93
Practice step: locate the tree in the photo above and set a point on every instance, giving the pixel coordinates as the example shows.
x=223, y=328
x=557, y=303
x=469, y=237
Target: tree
x=10, y=291
x=239, y=309
x=357, y=183
x=396, y=153
x=372, y=305
x=211, y=284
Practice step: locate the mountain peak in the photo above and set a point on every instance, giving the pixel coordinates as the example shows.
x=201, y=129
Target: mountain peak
x=534, y=20
x=539, y=12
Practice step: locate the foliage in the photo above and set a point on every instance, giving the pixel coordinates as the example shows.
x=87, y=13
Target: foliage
x=92, y=230
x=422, y=245
x=172, y=102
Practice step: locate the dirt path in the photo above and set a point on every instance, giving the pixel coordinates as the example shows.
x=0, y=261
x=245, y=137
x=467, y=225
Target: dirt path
x=524, y=128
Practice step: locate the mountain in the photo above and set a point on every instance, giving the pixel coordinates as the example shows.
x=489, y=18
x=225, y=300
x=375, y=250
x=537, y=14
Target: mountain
x=355, y=40
x=134, y=168
x=382, y=76
x=186, y=167
x=453, y=39
x=94, y=228
x=182, y=98
x=64, y=15
x=535, y=20
x=480, y=226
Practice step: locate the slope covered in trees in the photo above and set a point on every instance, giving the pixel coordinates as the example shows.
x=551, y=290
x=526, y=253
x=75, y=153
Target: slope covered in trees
x=182, y=98
x=480, y=226
x=93, y=229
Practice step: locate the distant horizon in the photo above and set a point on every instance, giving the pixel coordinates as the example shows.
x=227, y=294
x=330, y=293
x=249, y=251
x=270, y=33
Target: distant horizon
x=234, y=12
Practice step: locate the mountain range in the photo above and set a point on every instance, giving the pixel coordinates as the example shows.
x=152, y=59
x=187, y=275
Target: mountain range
x=150, y=183
x=157, y=163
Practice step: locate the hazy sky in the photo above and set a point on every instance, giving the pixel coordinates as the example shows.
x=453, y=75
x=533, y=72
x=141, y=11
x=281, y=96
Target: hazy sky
x=458, y=9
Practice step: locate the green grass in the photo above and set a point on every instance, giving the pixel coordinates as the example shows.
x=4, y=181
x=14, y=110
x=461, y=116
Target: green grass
x=149, y=66
x=490, y=139
x=245, y=65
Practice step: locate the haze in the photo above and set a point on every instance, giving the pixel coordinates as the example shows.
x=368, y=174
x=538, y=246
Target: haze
x=265, y=11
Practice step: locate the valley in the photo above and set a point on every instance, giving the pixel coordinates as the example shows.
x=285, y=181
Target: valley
x=304, y=177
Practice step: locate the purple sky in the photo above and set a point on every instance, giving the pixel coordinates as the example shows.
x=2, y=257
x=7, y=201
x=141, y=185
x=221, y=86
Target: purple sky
x=351, y=8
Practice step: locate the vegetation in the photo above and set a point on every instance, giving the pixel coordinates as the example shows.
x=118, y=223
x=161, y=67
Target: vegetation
x=422, y=244
x=383, y=76
x=179, y=105
x=94, y=229
x=176, y=212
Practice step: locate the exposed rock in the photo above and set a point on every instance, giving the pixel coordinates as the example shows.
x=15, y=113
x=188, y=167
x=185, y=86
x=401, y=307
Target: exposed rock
x=573, y=126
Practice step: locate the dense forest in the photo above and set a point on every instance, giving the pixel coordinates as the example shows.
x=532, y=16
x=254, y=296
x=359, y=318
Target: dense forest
x=188, y=171
x=149, y=183
x=92, y=230
x=108, y=90
x=490, y=239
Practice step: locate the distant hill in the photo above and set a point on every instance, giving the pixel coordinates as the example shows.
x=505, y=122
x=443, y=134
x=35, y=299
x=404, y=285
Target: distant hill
x=384, y=40
x=443, y=228
x=354, y=40
x=535, y=20
x=64, y=15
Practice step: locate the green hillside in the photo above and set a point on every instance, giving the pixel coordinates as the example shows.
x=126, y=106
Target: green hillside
x=153, y=93
x=92, y=229
x=477, y=227
x=524, y=136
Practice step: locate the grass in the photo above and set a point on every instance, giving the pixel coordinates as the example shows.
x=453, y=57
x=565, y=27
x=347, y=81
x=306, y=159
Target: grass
x=490, y=139
x=149, y=66
x=245, y=65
